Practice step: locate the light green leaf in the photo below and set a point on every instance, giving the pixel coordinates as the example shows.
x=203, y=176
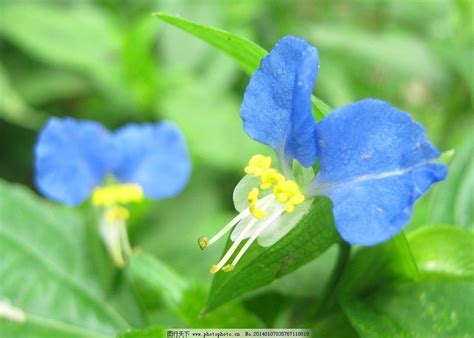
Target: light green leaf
x=61, y=35
x=185, y=299
x=415, y=309
x=247, y=54
x=452, y=201
x=443, y=251
x=51, y=32
x=313, y=235
x=44, y=271
x=168, y=285
x=373, y=266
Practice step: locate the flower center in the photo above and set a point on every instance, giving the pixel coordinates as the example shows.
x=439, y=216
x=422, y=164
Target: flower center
x=285, y=190
x=117, y=194
x=257, y=216
x=111, y=200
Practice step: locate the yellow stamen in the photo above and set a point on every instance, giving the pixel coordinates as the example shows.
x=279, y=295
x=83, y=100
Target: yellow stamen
x=252, y=200
x=117, y=213
x=202, y=241
x=214, y=269
x=228, y=268
x=258, y=164
x=117, y=194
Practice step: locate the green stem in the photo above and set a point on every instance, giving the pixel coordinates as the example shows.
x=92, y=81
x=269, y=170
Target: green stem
x=327, y=298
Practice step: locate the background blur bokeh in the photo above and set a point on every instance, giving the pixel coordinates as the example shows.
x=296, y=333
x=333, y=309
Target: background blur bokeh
x=113, y=62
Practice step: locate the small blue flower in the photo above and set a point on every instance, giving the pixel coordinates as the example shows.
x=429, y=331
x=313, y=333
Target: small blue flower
x=73, y=157
x=374, y=161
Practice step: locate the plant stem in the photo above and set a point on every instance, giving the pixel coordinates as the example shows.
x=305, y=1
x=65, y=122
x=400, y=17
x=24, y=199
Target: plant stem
x=327, y=298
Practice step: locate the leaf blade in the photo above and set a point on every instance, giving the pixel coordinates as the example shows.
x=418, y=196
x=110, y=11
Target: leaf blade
x=313, y=235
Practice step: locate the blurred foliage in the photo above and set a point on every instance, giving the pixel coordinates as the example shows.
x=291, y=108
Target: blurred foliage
x=112, y=61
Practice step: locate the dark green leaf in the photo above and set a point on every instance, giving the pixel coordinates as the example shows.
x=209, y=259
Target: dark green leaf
x=374, y=266
x=44, y=272
x=313, y=235
x=13, y=108
x=415, y=309
x=443, y=251
x=334, y=325
x=185, y=299
x=165, y=282
x=245, y=52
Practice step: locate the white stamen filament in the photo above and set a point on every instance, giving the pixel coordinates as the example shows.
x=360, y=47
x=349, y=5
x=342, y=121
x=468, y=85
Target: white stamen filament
x=240, y=238
x=126, y=247
x=229, y=226
x=252, y=239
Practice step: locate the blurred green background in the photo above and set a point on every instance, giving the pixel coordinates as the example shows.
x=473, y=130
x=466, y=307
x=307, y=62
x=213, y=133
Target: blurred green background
x=111, y=61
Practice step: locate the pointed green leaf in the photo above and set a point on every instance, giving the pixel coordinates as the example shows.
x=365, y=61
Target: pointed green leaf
x=44, y=273
x=376, y=265
x=247, y=53
x=313, y=235
x=415, y=309
x=185, y=299
x=443, y=252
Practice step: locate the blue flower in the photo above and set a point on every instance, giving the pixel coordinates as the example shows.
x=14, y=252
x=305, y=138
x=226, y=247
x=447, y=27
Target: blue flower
x=374, y=160
x=73, y=157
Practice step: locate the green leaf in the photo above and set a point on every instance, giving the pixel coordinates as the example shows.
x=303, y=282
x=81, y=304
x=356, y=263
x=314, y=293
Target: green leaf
x=185, y=299
x=452, y=201
x=13, y=108
x=49, y=32
x=149, y=332
x=44, y=271
x=415, y=309
x=374, y=266
x=165, y=282
x=443, y=251
x=334, y=325
x=313, y=235
x=247, y=54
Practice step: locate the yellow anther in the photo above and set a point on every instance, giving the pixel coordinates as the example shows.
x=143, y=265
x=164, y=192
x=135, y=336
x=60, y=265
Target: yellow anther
x=258, y=164
x=202, y=241
x=286, y=191
x=253, y=195
x=214, y=269
x=228, y=268
x=270, y=177
x=117, y=194
x=252, y=199
x=282, y=197
x=117, y=213
x=257, y=213
x=289, y=208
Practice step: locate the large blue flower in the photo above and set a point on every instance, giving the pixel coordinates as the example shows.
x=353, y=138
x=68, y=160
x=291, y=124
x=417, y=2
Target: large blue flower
x=374, y=161
x=72, y=157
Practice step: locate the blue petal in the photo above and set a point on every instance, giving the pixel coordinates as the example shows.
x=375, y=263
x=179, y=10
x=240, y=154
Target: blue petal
x=374, y=163
x=154, y=156
x=276, y=109
x=71, y=157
